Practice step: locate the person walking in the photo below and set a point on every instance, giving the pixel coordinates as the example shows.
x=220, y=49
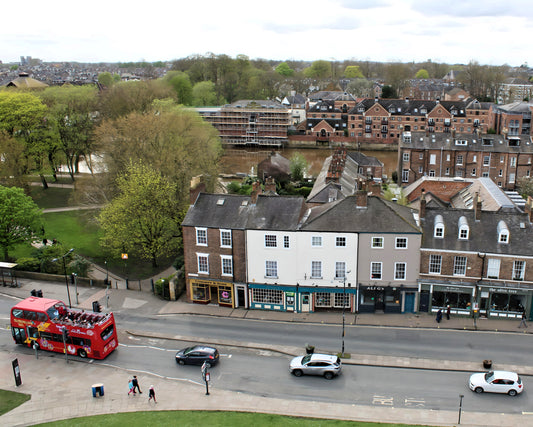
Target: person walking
x=523, y=321
x=439, y=316
x=130, y=387
x=151, y=394
x=448, y=310
x=135, y=382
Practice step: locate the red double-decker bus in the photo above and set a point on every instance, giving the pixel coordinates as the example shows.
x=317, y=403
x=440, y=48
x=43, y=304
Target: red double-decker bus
x=48, y=324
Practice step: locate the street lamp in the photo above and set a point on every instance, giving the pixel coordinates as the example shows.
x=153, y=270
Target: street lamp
x=106, y=272
x=343, y=310
x=65, y=272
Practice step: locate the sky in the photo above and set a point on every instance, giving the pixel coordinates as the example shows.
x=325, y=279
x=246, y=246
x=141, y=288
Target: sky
x=492, y=32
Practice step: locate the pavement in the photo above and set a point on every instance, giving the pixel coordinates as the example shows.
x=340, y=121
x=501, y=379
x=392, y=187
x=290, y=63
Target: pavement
x=59, y=390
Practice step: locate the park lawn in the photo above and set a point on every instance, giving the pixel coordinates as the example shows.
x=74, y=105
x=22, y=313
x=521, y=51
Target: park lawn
x=52, y=197
x=11, y=399
x=207, y=418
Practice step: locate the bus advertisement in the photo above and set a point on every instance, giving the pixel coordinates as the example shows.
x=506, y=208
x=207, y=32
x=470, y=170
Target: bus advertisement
x=48, y=324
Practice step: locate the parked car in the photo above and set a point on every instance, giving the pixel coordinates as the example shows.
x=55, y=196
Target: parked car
x=316, y=364
x=496, y=382
x=197, y=355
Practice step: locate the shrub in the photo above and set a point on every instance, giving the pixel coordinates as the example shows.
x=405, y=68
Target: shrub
x=28, y=264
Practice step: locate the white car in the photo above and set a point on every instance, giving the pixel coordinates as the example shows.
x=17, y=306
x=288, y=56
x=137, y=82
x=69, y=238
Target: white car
x=496, y=382
x=316, y=364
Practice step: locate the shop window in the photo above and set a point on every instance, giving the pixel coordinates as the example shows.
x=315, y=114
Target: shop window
x=267, y=296
x=342, y=299
x=225, y=295
x=323, y=299
x=199, y=291
x=506, y=302
x=443, y=299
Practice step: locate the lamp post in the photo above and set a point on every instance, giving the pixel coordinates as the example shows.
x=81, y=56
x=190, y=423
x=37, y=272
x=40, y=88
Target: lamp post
x=65, y=272
x=106, y=272
x=343, y=310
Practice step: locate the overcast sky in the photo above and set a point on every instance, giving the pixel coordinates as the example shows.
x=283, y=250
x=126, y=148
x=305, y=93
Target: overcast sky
x=493, y=32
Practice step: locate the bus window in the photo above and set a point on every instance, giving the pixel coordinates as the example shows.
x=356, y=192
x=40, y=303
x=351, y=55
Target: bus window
x=18, y=313
x=81, y=341
x=107, y=332
x=29, y=315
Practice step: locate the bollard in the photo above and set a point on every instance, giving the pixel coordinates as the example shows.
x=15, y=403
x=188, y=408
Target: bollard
x=152, y=283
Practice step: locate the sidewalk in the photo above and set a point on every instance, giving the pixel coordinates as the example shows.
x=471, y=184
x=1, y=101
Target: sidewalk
x=63, y=392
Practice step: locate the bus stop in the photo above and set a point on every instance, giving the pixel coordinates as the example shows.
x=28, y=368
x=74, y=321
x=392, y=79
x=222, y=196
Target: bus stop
x=7, y=274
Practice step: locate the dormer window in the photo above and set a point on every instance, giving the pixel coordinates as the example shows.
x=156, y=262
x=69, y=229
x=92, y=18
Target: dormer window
x=503, y=232
x=463, y=229
x=439, y=227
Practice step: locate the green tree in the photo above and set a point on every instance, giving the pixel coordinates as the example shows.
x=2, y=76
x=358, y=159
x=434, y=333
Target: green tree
x=284, y=70
x=143, y=218
x=318, y=70
x=353, y=72
x=298, y=166
x=15, y=164
x=181, y=83
x=388, y=92
x=20, y=112
x=525, y=186
x=361, y=88
x=397, y=76
x=107, y=79
x=204, y=94
x=20, y=219
x=422, y=74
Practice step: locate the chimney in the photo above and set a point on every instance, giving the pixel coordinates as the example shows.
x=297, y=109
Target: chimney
x=422, y=213
x=477, y=207
x=361, y=197
x=528, y=208
x=453, y=132
x=256, y=191
x=270, y=185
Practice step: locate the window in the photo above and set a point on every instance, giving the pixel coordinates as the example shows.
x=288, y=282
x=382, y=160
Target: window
x=433, y=159
x=463, y=228
x=201, y=236
x=420, y=169
x=513, y=162
x=225, y=238
x=447, y=171
x=460, y=159
x=286, y=242
x=340, y=270
x=473, y=172
x=316, y=241
x=203, y=263
x=227, y=265
x=405, y=157
x=518, y=270
x=493, y=268
x=401, y=243
x=503, y=232
x=270, y=241
x=459, y=266
x=435, y=262
x=400, y=270
x=405, y=175
x=340, y=242
x=500, y=172
x=486, y=160
x=432, y=172
x=375, y=271
x=421, y=156
x=377, y=242
x=271, y=269
x=268, y=296
x=316, y=269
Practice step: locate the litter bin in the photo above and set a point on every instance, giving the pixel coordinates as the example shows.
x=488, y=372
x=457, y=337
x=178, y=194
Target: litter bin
x=98, y=388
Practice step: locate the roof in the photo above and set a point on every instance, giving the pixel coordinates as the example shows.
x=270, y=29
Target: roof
x=35, y=303
x=483, y=234
x=256, y=104
x=275, y=213
x=24, y=81
x=345, y=216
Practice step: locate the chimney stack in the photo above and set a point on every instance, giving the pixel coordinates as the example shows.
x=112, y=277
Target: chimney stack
x=361, y=196
x=422, y=212
x=270, y=185
x=256, y=190
x=477, y=207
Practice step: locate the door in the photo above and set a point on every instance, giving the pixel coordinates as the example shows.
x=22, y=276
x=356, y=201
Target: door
x=214, y=294
x=379, y=302
x=19, y=334
x=289, y=300
x=424, y=301
x=305, y=302
x=241, y=299
x=409, y=306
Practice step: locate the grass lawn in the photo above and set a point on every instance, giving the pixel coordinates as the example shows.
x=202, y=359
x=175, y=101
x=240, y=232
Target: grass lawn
x=206, y=418
x=11, y=399
x=52, y=197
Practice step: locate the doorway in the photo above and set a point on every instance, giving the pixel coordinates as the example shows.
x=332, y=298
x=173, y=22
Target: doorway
x=409, y=306
x=305, y=302
x=241, y=298
x=213, y=291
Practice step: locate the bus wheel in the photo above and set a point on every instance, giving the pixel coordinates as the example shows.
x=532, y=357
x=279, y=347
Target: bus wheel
x=82, y=353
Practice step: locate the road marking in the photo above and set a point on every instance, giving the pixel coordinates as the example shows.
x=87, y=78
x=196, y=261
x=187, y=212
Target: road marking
x=414, y=402
x=382, y=400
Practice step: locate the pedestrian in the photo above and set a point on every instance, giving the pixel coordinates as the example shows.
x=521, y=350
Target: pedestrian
x=151, y=394
x=439, y=315
x=448, y=310
x=130, y=386
x=523, y=321
x=135, y=382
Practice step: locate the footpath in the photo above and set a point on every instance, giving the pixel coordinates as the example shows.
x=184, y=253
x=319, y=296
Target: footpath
x=60, y=391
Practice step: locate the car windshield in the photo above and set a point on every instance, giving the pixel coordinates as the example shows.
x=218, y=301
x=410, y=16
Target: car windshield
x=489, y=376
x=188, y=350
x=306, y=359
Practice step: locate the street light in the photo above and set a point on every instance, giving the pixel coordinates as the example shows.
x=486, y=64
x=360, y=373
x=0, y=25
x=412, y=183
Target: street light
x=106, y=272
x=344, y=310
x=65, y=272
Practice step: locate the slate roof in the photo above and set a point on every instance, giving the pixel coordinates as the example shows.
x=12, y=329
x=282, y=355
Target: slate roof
x=483, y=234
x=275, y=213
x=518, y=107
x=380, y=216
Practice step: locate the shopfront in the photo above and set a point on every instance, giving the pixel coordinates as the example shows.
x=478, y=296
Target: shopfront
x=212, y=292
x=459, y=297
x=503, y=302
x=386, y=299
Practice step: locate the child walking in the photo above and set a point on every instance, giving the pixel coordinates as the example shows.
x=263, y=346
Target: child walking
x=151, y=394
x=130, y=386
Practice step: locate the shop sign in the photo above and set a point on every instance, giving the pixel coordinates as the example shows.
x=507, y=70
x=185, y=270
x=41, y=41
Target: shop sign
x=289, y=294
x=374, y=288
x=503, y=291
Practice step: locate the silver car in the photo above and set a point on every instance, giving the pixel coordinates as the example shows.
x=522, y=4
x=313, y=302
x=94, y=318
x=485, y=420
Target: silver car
x=324, y=365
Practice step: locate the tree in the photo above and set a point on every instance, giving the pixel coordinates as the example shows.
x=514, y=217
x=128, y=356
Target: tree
x=181, y=83
x=422, y=74
x=284, y=70
x=20, y=219
x=397, y=76
x=15, y=164
x=361, y=88
x=204, y=94
x=298, y=167
x=144, y=218
x=388, y=92
x=525, y=186
x=353, y=72
x=318, y=70
x=107, y=79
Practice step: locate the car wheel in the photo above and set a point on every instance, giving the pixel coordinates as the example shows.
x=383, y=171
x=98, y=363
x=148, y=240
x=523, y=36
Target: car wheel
x=512, y=393
x=478, y=390
x=328, y=375
x=82, y=353
x=297, y=373
x=181, y=362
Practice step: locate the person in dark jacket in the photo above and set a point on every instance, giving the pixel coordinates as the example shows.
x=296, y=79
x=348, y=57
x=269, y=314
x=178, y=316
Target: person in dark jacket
x=135, y=382
x=439, y=315
x=448, y=310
